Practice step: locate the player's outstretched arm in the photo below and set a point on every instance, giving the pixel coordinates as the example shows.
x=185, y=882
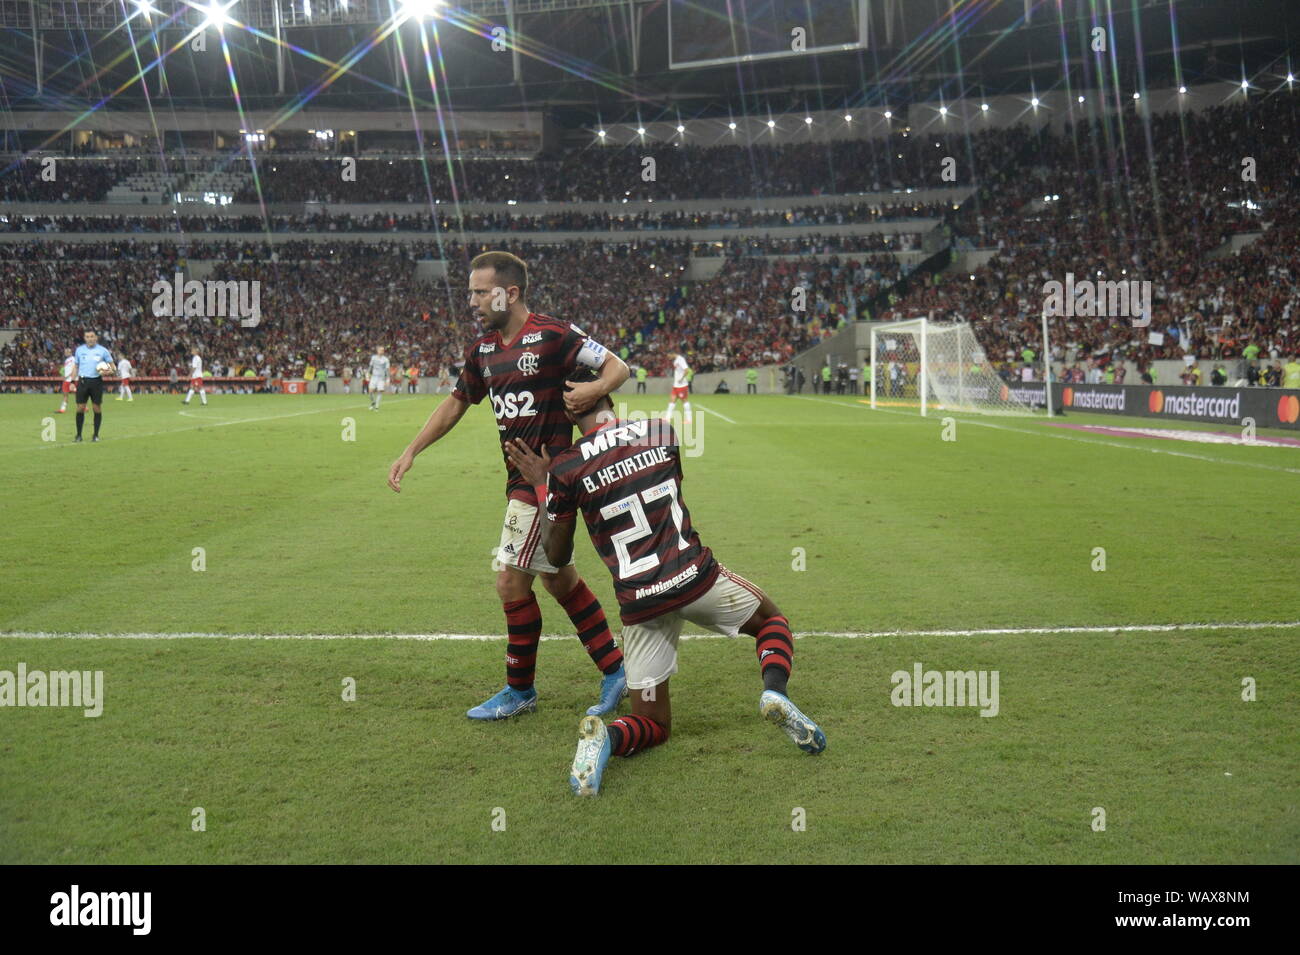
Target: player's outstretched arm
x=581, y=396
x=442, y=420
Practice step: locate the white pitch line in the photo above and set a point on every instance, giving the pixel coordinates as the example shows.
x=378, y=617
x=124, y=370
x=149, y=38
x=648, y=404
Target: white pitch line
x=716, y=414
x=847, y=634
x=1073, y=437
x=216, y=423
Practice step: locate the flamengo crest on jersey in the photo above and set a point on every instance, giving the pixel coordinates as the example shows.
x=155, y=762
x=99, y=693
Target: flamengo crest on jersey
x=626, y=478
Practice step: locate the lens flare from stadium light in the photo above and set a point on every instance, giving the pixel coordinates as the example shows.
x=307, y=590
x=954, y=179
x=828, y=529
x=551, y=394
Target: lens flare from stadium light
x=217, y=14
x=731, y=126
x=984, y=107
x=422, y=9
x=771, y=124
x=943, y=110
x=807, y=120
x=1182, y=89
x=1034, y=102
x=848, y=117
x=1137, y=95
x=145, y=8
x=640, y=130
x=1081, y=99
x=889, y=114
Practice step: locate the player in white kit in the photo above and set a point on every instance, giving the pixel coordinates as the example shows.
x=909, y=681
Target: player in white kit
x=124, y=375
x=196, y=380
x=69, y=376
x=378, y=374
x=681, y=389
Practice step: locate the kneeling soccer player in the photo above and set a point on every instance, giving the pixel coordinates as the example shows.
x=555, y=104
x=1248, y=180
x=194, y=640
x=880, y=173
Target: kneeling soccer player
x=625, y=477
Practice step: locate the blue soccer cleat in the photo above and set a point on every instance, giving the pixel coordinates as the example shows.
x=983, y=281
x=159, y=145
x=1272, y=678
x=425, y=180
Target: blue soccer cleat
x=590, y=759
x=776, y=708
x=612, y=689
x=509, y=702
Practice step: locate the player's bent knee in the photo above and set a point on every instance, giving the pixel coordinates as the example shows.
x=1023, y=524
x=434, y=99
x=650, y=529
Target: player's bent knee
x=560, y=585
x=513, y=586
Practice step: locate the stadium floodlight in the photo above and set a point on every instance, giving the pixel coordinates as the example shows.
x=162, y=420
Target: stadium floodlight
x=943, y=110
x=1290, y=78
x=421, y=9
x=808, y=120
x=848, y=117
x=984, y=107
x=145, y=8
x=681, y=129
x=771, y=123
x=731, y=126
x=217, y=14
x=1137, y=95
x=1182, y=89
x=1081, y=98
x=1034, y=102
x=640, y=130
x=1245, y=84
x=600, y=133
x=889, y=114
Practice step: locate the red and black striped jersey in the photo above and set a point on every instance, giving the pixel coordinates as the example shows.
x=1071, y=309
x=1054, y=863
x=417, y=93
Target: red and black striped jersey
x=524, y=381
x=626, y=478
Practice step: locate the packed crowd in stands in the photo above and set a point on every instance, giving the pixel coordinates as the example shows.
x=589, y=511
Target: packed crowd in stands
x=1080, y=205
x=598, y=173
x=632, y=296
x=611, y=173
x=1094, y=200
x=293, y=249
x=64, y=180
x=447, y=221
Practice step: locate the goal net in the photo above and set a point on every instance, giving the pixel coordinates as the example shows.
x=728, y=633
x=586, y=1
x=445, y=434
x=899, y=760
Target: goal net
x=920, y=364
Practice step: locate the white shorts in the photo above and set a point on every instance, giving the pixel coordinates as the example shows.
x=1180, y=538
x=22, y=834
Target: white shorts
x=521, y=540
x=650, y=647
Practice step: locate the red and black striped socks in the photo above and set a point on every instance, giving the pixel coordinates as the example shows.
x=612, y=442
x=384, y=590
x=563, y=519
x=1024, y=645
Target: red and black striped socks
x=775, y=648
x=593, y=630
x=631, y=734
x=524, y=624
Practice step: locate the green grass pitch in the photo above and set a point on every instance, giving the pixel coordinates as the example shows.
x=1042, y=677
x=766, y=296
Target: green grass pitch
x=895, y=528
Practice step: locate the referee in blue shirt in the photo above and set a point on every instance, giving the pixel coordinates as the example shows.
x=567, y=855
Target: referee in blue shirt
x=90, y=386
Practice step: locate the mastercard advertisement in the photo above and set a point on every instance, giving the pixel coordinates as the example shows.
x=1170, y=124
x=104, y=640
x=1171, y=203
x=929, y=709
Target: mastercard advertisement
x=1269, y=407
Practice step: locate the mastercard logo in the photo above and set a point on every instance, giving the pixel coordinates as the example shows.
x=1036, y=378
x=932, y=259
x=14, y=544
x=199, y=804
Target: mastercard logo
x=1156, y=401
x=1067, y=397
x=1288, y=409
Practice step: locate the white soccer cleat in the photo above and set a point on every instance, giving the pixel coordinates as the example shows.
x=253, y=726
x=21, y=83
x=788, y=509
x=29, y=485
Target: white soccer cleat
x=590, y=759
x=776, y=708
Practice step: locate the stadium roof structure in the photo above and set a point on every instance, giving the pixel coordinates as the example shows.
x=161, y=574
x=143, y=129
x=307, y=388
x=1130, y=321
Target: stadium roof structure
x=584, y=61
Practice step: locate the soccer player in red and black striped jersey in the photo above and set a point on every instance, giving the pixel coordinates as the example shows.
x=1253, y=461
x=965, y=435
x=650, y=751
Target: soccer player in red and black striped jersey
x=626, y=479
x=520, y=366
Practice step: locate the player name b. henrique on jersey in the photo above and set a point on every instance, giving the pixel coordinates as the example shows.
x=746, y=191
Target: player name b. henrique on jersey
x=524, y=381
x=626, y=478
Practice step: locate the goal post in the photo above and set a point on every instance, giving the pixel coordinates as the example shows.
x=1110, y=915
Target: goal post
x=922, y=364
